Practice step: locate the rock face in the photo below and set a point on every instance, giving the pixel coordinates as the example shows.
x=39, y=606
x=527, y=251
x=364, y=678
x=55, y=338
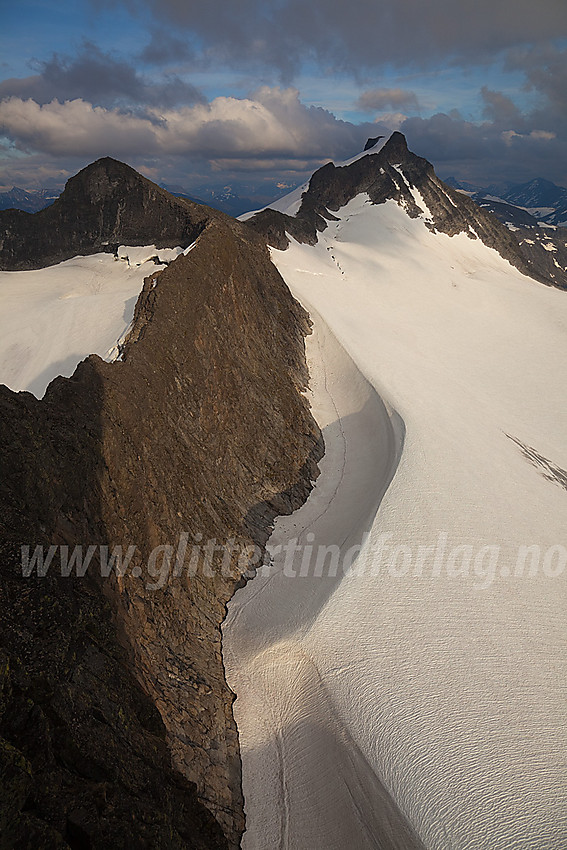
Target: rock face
x=116, y=725
x=105, y=205
x=370, y=143
x=390, y=174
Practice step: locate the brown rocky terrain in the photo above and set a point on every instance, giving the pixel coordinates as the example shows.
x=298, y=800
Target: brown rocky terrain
x=116, y=726
x=331, y=187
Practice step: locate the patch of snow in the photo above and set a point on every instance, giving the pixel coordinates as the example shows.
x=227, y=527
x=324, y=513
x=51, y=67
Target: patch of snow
x=138, y=255
x=289, y=204
x=495, y=199
x=190, y=247
x=52, y=318
x=539, y=211
x=376, y=149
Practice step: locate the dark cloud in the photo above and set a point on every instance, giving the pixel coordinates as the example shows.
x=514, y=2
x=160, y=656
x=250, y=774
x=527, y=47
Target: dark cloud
x=165, y=48
x=545, y=68
x=376, y=100
x=487, y=153
x=360, y=34
x=100, y=78
x=500, y=109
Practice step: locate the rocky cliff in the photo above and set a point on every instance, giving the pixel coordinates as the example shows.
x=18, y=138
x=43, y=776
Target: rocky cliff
x=116, y=726
x=391, y=174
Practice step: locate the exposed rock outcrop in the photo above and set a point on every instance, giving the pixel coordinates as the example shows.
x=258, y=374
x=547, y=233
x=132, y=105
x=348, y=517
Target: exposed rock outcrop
x=392, y=173
x=370, y=143
x=116, y=726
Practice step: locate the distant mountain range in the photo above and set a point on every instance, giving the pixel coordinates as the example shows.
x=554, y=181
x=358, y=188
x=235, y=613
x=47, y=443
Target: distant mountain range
x=224, y=199
x=29, y=201
x=542, y=200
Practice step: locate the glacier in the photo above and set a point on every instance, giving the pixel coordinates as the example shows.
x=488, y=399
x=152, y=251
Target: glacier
x=418, y=697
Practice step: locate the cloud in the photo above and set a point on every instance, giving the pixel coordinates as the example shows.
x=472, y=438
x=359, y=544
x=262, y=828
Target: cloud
x=500, y=109
x=490, y=152
x=164, y=48
x=545, y=68
x=99, y=78
x=95, y=104
x=36, y=171
x=270, y=126
x=376, y=100
x=511, y=144
x=273, y=132
x=359, y=34
x=510, y=136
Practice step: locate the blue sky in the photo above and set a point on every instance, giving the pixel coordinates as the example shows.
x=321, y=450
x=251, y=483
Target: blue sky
x=257, y=95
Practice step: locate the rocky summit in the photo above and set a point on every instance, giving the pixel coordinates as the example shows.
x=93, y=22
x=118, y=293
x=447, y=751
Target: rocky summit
x=105, y=205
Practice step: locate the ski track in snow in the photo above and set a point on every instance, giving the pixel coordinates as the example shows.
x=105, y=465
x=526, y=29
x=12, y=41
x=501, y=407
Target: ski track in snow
x=440, y=689
x=295, y=737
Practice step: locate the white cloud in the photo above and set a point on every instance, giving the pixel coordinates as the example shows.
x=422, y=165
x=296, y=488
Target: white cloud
x=391, y=120
x=375, y=100
x=272, y=124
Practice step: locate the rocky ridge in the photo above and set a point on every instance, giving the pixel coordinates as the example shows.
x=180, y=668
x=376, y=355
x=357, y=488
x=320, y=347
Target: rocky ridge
x=116, y=724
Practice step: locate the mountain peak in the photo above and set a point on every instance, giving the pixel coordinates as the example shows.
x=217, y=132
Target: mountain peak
x=394, y=173
x=106, y=204
x=397, y=142
x=102, y=178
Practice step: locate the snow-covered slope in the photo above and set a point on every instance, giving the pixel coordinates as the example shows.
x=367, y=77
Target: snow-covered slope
x=434, y=669
x=52, y=318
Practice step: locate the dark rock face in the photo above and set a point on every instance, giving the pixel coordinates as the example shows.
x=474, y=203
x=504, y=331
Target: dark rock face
x=371, y=142
x=544, y=246
x=104, y=205
x=84, y=760
x=116, y=724
x=546, y=251
x=378, y=175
